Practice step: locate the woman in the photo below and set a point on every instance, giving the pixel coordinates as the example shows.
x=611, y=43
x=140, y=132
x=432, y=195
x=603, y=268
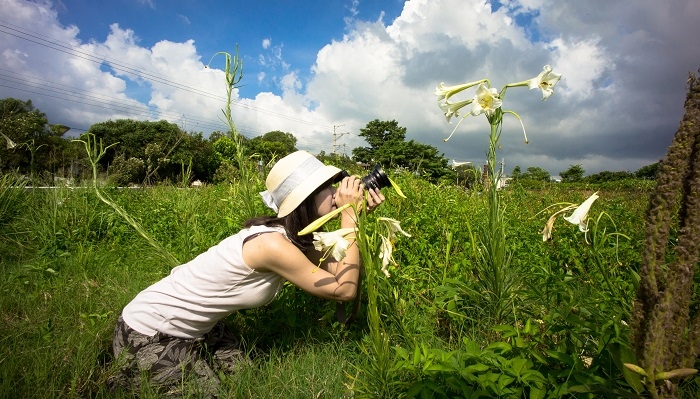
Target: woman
x=173, y=326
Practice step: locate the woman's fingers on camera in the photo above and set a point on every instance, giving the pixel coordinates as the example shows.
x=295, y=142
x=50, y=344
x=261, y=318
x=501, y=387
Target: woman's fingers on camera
x=375, y=198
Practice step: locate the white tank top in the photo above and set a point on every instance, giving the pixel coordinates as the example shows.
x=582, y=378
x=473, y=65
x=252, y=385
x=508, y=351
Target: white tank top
x=196, y=295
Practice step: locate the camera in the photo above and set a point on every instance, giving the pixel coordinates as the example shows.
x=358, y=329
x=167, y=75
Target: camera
x=376, y=178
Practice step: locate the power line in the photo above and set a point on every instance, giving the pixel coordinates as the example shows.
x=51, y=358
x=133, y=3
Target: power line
x=85, y=99
x=337, y=136
x=67, y=48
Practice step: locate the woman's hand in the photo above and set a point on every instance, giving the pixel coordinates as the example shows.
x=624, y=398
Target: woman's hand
x=374, y=198
x=349, y=191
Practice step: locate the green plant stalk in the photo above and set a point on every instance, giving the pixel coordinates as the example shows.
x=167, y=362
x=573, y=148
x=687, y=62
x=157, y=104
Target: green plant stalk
x=186, y=173
x=374, y=380
x=234, y=74
x=494, y=262
x=95, y=152
x=378, y=351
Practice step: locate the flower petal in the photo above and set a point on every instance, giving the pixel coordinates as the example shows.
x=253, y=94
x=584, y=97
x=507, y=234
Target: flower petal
x=10, y=144
x=580, y=215
x=333, y=241
x=549, y=226
x=485, y=101
x=392, y=226
x=545, y=81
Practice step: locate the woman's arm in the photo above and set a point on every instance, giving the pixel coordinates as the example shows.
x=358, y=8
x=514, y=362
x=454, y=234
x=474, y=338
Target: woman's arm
x=273, y=252
x=338, y=279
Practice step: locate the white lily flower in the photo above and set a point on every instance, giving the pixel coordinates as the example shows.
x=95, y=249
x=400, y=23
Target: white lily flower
x=546, y=81
x=549, y=226
x=486, y=101
x=385, y=255
x=580, y=215
x=333, y=241
x=392, y=226
x=452, y=109
x=10, y=144
x=445, y=92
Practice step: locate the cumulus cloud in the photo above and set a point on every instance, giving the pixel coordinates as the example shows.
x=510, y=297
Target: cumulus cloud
x=616, y=108
x=78, y=84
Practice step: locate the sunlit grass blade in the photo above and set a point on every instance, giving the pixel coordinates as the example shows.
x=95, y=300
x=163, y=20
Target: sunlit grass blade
x=322, y=220
x=396, y=187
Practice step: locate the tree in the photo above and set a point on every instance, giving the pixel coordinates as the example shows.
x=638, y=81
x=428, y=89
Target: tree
x=517, y=173
x=200, y=151
x=378, y=134
x=388, y=148
x=272, y=145
x=607, y=175
x=31, y=144
x=468, y=175
x=536, y=173
x=418, y=158
x=26, y=128
x=286, y=139
x=648, y=172
x=573, y=174
x=151, y=142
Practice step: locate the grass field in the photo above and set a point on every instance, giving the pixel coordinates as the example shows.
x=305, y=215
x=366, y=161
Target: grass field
x=69, y=263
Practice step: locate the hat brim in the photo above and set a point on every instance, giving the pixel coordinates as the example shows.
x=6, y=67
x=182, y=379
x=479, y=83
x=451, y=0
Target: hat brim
x=315, y=180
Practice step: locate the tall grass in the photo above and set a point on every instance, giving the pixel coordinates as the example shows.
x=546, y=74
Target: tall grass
x=12, y=204
x=79, y=263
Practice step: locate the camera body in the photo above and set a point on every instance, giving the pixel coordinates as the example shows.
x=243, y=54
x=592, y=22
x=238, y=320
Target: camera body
x=376, y=178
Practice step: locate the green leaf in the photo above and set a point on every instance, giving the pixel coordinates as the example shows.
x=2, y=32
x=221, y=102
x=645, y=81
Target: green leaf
x=620, y=355
x=537, y=392
x=562, y=357
x=499, y=347
x=507, y=330
x=416, y=356
x=476, y=368
x=519, y=365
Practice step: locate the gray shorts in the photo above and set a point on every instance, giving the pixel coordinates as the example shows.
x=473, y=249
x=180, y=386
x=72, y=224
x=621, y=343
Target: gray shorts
x=167, y=360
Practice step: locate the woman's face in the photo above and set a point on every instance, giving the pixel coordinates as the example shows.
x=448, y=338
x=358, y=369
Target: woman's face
x=325, y=200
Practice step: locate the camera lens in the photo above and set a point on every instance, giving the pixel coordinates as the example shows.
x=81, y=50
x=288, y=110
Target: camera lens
x=376, y=178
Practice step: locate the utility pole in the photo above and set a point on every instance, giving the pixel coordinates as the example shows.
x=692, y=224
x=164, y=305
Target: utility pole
x=336, y=136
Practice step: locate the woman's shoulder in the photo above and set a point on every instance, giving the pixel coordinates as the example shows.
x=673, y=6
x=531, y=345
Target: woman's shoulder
x=262, y=250
x=267, y=238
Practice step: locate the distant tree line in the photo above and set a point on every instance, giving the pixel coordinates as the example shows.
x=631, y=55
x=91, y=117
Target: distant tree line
x=155, y=152
x=575, y=174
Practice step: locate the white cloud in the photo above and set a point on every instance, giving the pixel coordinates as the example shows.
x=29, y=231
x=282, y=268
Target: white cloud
x=150, y=3
x=184, y=19
x=582, y=62
x=616, y=108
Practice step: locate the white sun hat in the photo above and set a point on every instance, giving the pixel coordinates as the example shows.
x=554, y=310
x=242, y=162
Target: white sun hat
x=293, y=179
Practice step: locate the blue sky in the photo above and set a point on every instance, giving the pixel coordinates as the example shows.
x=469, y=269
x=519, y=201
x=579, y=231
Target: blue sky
x=293, y=30
x=313, y=68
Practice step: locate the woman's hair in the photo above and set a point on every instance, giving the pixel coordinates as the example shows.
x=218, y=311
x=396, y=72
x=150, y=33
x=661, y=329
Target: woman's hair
x=295, y=221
